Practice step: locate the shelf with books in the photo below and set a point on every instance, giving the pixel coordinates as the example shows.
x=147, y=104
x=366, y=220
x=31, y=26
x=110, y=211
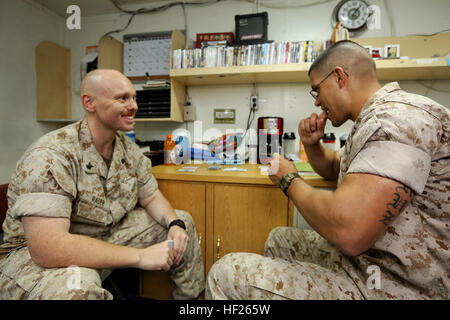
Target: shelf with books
x=392, y=69
x=417, y=65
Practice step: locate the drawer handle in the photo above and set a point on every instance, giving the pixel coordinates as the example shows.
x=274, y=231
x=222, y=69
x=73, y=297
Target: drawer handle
x=200, y=239
x=218, y=247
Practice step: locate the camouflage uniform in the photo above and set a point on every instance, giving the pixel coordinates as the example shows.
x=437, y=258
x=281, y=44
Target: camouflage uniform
x=398, y=135
x=63, y=175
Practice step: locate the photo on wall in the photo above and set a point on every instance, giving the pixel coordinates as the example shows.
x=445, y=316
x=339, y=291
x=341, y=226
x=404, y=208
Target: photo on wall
x=392, y=51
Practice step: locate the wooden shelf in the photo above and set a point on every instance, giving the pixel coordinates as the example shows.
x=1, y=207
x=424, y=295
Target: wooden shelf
x=243, y=74
x=417, y=48
x=393, y=69
x=410, y=69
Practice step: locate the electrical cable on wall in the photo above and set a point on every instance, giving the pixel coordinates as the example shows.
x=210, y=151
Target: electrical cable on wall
x=430, y=35
x=154, y=10
x=258, y=4
x=252, y=112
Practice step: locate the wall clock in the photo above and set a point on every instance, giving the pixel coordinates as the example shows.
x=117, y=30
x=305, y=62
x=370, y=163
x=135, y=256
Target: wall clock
x=352, y=14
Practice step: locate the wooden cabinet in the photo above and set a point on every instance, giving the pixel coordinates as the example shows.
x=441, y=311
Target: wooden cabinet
x=233, y=212
x=184, y=196
x=110, y=54
x=190, y=197
x=244, y=215
x=53, y=86
x=53, y=74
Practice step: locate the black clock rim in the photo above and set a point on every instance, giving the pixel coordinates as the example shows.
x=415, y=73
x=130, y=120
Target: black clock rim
x=338, y=7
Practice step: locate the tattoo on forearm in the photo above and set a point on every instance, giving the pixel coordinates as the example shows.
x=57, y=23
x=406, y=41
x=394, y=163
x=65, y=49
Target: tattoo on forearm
x=401, y=195
x=163, y=222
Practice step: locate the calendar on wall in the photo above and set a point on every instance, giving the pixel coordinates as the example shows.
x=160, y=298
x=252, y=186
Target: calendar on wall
x=146, y=53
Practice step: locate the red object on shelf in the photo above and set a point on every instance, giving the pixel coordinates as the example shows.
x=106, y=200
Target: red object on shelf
x=213, y=37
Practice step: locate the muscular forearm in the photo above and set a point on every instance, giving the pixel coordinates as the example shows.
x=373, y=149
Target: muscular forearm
x=71, y=249
x=317, y=207
x=324, y=162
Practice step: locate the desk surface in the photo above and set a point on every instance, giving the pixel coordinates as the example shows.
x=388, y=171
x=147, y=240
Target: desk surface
x=253, y=175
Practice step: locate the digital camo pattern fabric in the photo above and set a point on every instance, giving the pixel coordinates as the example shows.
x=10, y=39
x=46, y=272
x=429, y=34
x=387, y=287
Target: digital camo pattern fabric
x=297, y=264
x=405, y=137
x=397, y=135
x=62, y=175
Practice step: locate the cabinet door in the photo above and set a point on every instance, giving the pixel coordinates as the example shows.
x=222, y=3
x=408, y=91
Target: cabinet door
x=110, y=54
x=53, y=87
x=191, y=198
x=244, y=216
x=185, y=196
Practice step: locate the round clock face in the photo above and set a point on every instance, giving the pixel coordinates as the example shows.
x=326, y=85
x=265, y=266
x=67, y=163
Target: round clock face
x=353, y=14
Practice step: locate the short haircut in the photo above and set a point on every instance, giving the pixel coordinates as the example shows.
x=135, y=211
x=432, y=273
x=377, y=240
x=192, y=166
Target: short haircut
x=348, y=55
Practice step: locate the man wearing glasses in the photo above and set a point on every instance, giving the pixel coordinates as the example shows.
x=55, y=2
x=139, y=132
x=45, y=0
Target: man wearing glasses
x=384, y=232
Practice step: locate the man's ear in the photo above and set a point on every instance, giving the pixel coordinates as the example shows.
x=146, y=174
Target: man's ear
x=342, y=77
x=88, y=102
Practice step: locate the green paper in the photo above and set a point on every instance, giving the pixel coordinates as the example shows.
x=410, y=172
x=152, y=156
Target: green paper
x=304, y=167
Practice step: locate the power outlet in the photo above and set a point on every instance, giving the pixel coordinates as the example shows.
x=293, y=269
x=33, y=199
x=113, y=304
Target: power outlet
x=254, y=103
x=189, y=113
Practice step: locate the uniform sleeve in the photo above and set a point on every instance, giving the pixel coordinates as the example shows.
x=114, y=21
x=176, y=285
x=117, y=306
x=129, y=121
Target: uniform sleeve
x=147, y=183
x=45, y=184
x=401, y=149
x=394, y=160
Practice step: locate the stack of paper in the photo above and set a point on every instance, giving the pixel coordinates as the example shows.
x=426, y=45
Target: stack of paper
x=305, y=169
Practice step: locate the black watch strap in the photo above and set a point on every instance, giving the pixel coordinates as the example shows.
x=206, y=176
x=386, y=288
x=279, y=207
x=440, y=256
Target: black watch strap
x=177, y=222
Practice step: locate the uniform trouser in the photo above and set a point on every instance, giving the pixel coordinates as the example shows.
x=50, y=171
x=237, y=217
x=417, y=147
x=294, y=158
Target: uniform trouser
x=21, y=278
x=297, y=264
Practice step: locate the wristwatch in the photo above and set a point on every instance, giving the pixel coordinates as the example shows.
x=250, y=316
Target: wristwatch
x=177, y=222
x=286, y=180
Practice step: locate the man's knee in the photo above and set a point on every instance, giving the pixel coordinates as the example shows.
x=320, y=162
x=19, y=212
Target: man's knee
x=223, y=276
x=275, y=239
x=72, y=283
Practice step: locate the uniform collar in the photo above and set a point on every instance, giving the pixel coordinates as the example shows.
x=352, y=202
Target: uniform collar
x=92, y=160
x=377, y=98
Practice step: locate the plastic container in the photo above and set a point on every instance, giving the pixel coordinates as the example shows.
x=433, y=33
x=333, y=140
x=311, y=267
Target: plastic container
x=182, y=150
x=289, y=143
x=329, y=141
x=169, y=151
x=303, y=155
x=131, y=135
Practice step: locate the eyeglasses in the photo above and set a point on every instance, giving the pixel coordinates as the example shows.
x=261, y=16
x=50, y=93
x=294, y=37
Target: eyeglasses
x=316, y=89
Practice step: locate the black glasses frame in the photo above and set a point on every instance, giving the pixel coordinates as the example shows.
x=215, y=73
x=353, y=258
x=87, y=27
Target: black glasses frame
x=316, y=90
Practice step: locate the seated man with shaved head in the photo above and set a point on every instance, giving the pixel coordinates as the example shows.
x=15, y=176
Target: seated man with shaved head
x=83, y=199
x=384, y=232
